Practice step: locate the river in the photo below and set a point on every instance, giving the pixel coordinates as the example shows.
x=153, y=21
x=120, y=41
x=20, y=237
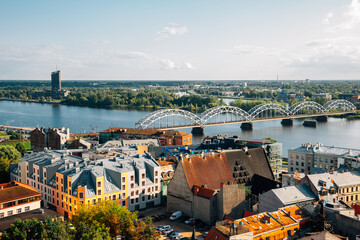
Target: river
x=338, y=132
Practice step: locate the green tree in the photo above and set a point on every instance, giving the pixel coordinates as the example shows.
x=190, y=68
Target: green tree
x=20, y=147
x=91, y=232
x=34, y=229
x=8, y=155
x=118, y=220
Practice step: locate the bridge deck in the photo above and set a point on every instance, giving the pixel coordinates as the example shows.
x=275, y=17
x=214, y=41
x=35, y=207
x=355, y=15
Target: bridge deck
x=258, y=120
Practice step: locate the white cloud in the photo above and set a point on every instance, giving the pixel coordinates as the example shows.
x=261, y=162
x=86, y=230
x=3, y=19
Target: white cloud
x=167, y=64
x=172, y=30
x=352, y=18
x=333, y=54
x=328, y=17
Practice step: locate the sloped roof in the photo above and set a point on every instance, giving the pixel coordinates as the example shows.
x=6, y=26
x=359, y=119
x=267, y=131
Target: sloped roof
x=203, y=192
x=210, y=169
x=214, y=234
x=16, y=190
x=248, y=164
x=262, y=184
x=294, y=194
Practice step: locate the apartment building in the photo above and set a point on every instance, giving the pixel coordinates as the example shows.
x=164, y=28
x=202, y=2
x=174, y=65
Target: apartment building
x=285, y=223
x=51, y=138
x=17, y=198
x=340, y=185
x=308, y=157
x=65, y=180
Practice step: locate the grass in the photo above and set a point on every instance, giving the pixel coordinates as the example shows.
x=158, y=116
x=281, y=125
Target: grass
x=27, y=144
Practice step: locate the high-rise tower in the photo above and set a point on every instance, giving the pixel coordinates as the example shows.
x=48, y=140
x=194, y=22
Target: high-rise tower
x=55, y=81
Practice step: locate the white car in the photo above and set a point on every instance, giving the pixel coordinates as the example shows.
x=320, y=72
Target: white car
x=176, y=215
x=164, y=227
x=190, y=221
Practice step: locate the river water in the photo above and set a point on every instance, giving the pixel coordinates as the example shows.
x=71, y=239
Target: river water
x=338, y=132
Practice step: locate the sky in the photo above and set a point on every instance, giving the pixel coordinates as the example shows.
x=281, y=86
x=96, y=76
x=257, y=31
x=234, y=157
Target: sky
x=180, y=40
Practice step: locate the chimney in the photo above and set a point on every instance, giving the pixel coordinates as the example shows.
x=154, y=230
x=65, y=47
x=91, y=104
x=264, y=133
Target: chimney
x=222, y=184
x=196, y=190
x=204, y=185
x=67, y=133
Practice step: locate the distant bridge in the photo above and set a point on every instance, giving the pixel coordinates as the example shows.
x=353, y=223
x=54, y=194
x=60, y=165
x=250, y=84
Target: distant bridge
x=178, y=118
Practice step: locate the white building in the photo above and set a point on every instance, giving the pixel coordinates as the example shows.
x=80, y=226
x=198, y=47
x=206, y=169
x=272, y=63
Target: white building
x=16, y=198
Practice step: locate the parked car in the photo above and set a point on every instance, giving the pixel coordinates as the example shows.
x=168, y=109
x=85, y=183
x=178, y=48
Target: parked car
x=164, y=227
x=175, y=215
x=190, y=221
x=205, y=234
x=166, y=231
x=160, y=226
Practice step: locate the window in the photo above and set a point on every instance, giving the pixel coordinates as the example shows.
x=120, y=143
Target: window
x=69, y=184
x=132, y=185
x=10, y=213
x=57, y=202
x=143, y=198
x=99, y=184
x=123, y=195
x=149, y=197
x=18, y=210
x=132, y=201
x=137, y=200
x=99, y=192
x=132, y=178
x=27, y=209
x=149, y=190
x=123, y=179
x=156, y=195
x=132, y=193
x=1, y=215
x=289, y=232
x=123, y=187
x=143, y=175
x=124, y=203
x=62, y=181
x=156, y=173
x=156, y=188
x=114, y=197
x=143, y=183
x=137, y=192
x=81, y=195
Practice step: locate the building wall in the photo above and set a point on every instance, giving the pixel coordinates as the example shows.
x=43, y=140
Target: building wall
x=230, y=201
x=204, y=209
x=37, y=139
x=179, y=195
x=23, y=208
x=344, y=225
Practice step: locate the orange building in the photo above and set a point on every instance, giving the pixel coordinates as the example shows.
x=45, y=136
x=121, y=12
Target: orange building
x=264, y=226
x=166, y=137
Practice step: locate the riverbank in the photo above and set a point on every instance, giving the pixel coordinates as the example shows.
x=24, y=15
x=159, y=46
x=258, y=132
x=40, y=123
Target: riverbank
x=348, y=116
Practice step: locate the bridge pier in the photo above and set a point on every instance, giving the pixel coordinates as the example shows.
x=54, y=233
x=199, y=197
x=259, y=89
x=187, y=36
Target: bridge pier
x=287, y=122
x=247, y=126
x=323, y=118
x=198, y=131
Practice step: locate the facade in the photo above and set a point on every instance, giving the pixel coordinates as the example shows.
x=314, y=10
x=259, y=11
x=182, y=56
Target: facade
x=307, y=157
x=344, y=186
x=166, y=137
x=273, y=148
x=274, y=199
x=17, y=198
x=131, y=142
x=65, y=180
x=55, y=81
x=212, y=182
x=284, y=223
x=51, y=138
x=77, y=144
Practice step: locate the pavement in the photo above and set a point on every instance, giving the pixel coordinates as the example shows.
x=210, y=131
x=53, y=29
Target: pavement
x=177, y=225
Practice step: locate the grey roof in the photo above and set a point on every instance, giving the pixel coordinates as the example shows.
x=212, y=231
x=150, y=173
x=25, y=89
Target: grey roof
x=330, y=150
x=294, y=194
x=340, y=179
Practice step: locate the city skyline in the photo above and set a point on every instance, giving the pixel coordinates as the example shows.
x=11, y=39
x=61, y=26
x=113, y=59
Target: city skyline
x=162, y=40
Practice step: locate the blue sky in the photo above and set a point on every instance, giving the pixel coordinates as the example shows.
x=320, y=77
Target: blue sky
x=180, y=40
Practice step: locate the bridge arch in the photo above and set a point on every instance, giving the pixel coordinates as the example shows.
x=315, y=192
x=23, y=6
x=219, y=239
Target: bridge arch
x=153, y=117
x=238, y=113
x=255, y=111
x=295, y=108
x=339, y=104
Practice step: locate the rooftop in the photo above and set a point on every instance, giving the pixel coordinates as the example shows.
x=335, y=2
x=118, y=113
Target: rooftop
x=294, y=194
x=331, y=150
x=136, y=131
x=16, y=190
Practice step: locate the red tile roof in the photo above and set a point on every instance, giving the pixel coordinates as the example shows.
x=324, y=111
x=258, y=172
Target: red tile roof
x=209, y=169
x=214, y=234
x=16, y=190
x=203, y=192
